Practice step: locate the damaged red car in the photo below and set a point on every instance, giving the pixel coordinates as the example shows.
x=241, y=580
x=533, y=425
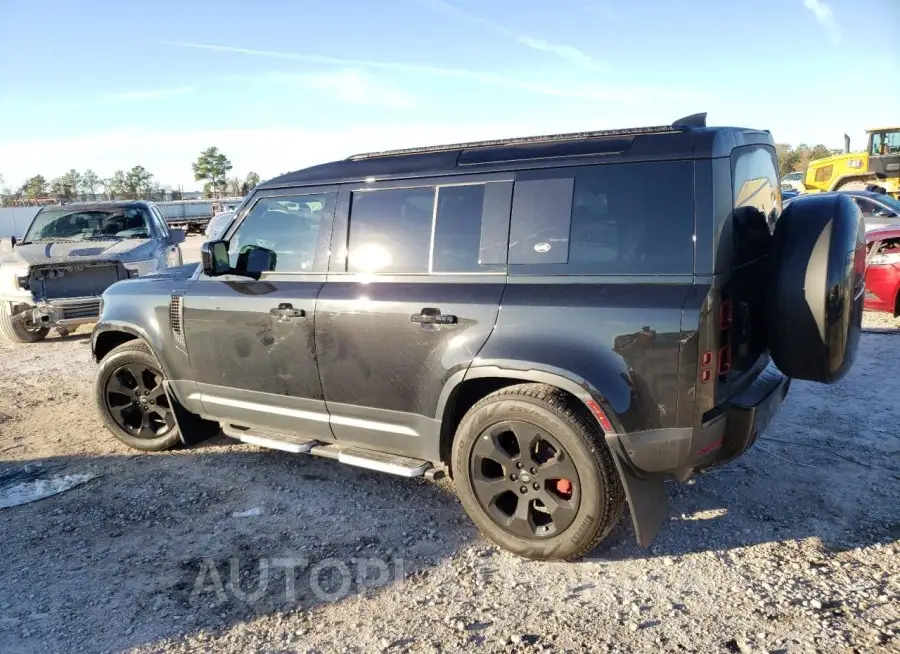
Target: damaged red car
x=883, y=270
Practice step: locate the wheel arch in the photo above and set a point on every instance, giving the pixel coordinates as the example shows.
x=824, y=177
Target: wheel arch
x=108, y=335
x=466, y=387
x=646, y=496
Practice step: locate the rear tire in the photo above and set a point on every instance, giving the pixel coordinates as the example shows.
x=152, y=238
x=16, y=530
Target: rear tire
x=854, y=185
x=554, y=494
x=131, y=399
x=18, y=330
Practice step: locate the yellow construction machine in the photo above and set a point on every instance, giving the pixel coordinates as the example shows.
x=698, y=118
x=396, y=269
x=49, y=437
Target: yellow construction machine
x=877, y=166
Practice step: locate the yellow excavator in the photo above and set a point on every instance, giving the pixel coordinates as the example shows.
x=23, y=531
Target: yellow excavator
x=878, y=166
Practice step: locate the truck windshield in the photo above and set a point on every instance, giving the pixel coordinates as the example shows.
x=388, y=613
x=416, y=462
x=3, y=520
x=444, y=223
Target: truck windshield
x=89, y=224
x=886, y=142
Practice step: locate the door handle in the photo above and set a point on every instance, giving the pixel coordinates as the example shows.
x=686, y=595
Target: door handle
x=429, y=316
x=287, y=310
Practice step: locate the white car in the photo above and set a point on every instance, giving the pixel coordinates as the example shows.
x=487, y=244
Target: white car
x=793, y=182
x=219, y=224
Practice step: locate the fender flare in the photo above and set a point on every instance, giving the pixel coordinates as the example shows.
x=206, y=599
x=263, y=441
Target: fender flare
x=192, y=428
x=646, y=496
x=108, y=326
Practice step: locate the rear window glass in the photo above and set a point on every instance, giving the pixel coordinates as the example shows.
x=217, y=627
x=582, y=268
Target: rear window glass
x=390, y=230
x=617, y=219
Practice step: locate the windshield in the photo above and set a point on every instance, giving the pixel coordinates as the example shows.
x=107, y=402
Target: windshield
x=886, y=142
x=890, y=202
x=87, y=224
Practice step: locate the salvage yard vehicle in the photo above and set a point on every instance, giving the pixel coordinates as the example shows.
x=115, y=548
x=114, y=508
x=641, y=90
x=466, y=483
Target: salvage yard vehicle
x=54, y=277
x=520, y=313
x=878, y=164
x=219, y=224
x=883, y=270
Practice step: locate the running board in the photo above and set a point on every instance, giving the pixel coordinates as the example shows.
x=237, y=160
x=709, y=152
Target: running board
x=359, y=457
x=271, y=439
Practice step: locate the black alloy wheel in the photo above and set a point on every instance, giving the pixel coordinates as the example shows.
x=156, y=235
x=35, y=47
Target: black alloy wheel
x=131, y=398
x=533, y=472
x=137, y=401
x=524, y=479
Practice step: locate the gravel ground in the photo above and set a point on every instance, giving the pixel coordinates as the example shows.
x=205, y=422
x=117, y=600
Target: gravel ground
x=792, y=548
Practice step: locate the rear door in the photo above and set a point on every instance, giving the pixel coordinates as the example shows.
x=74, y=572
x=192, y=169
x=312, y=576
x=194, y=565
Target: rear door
x=250, y=337
x=413, y=292
x=756, y=198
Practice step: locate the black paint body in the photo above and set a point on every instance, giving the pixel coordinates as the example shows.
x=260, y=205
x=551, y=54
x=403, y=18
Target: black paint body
x=358, y=366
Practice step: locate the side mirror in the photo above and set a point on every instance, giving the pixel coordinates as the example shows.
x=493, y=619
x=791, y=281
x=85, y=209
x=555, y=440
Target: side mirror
x=7, y=243
x=176, y=236
x=253, y=260
x=214, y=256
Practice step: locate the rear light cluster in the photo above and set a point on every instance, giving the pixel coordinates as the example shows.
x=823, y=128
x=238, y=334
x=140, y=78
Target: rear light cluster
x=726, y=319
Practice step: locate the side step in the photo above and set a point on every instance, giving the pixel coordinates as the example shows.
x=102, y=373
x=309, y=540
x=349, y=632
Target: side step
x=274, y=440
x=359, y=457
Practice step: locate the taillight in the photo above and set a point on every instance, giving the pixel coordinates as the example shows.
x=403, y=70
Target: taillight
x=726, y=314
x=725, y=360
x=705, y=363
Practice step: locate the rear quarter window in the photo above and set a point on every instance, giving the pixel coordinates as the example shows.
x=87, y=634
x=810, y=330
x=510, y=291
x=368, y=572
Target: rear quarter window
x=615, y=219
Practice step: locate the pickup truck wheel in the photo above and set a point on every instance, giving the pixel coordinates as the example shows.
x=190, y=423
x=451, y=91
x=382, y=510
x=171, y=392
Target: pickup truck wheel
x=534, y=473
x=132, y=401
x=18, y=327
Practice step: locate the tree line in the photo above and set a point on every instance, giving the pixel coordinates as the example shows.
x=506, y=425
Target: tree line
x=138, y=183
x=792, y=159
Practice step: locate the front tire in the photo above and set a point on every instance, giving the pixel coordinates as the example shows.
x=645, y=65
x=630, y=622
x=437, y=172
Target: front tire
x=19, y=328
x=534, y=474
x=132, y=401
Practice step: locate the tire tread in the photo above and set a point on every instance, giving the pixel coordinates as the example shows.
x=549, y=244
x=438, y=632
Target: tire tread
x=9, y=331
x=586, y=428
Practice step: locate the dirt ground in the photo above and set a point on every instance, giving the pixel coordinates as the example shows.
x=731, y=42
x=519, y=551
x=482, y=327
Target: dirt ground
x=230, y=548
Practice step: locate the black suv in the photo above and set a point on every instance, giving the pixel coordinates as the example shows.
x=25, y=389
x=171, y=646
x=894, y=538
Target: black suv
x=560, y=322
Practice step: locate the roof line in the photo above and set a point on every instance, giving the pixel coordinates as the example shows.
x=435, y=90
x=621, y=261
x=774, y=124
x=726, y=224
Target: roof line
x=548, y=138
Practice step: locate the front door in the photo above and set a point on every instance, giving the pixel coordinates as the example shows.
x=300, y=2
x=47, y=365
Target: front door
x=408, y=303
x=250, y=334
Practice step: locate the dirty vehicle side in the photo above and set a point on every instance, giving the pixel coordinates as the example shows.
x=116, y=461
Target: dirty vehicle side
x=521, y=313
x=54, y=277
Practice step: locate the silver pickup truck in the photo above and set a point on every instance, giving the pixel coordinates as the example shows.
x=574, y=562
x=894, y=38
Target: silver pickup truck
x=54, y=276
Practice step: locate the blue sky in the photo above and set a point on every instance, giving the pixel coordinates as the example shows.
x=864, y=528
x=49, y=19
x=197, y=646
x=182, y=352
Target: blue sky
x=281, y=85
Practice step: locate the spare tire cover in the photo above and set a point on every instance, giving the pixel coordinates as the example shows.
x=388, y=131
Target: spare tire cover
x=816, y=284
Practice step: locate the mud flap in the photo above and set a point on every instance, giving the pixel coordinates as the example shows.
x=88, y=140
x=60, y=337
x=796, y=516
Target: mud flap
x=647, y=498
x=191, y=428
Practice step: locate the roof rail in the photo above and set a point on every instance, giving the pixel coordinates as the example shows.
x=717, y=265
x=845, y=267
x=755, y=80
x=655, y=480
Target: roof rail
x=549, y=138
x=694, y=120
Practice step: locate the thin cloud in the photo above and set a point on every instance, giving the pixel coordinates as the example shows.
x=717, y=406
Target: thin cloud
x=350, y=86
x=153, y=94
x=825, y=17
x=487, y=79
x=568, y=52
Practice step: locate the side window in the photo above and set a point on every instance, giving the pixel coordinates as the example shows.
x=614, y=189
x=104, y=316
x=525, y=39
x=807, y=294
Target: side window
x=161, y=224
x=470, y=228
x=390, y=230
x=757, y=201
x=601, y=220
x=867, y=208
x=281, y=232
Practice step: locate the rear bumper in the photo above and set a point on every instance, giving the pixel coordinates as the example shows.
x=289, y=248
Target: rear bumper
x=727, y=435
